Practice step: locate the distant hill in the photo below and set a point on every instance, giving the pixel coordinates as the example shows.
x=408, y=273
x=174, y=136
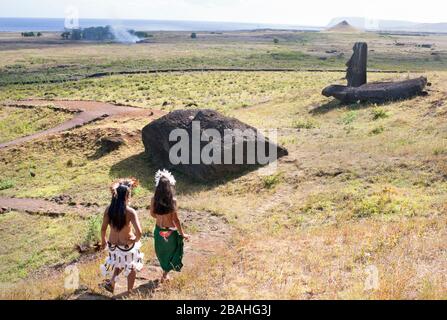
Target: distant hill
x=343, y=27
x=390, y=25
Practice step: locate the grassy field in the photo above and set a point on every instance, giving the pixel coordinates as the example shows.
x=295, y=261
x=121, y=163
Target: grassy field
x=363, y=186
x=17, y=122
x=51, y=59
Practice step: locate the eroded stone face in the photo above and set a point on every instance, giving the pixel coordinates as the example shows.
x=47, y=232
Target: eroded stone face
x=211, y=145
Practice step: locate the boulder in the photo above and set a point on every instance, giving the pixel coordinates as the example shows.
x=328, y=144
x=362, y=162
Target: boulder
x=112, y=143
x=157, y=145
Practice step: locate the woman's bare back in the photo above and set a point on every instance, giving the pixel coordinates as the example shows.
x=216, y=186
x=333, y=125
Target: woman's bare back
x=165, y=220
x=125, y=236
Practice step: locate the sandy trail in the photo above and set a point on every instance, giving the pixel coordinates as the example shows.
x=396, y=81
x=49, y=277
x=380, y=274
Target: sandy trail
x=85, y=112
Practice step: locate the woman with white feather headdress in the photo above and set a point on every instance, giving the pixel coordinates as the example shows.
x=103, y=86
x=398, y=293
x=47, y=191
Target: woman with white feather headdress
x=168, y=233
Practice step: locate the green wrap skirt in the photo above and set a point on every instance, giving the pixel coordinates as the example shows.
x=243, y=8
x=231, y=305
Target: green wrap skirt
x=168, y=248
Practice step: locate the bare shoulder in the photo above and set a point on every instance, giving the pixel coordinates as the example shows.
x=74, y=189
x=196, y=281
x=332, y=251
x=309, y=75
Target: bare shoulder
x=131, y=211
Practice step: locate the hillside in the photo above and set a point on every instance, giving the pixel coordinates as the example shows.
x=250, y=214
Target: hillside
x=362, y=191
x=343, y=27
x=390, y=25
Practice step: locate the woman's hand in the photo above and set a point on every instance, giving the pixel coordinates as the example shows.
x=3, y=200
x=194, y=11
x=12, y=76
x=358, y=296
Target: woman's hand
x=102, y=246
x=186, y=236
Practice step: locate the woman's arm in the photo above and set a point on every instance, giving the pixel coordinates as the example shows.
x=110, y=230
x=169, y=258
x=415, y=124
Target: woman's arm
x=136, y=225
x=105, y=224
x=152, y=208
x=178, y=224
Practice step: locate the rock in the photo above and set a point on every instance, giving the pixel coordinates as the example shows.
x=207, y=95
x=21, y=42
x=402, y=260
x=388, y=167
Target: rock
x=109, y=144
x=157, y=145
x=61, y=199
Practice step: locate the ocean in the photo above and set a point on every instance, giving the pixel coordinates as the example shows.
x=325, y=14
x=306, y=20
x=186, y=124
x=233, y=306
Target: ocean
x=56, y=25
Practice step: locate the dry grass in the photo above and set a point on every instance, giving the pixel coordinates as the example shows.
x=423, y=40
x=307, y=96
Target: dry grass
x=348, y=196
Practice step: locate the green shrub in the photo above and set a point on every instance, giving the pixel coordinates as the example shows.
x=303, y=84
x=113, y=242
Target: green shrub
x=379, y=113
x=93, y=235
x=377, y=130
x=6, y=184
x=271, y=181
x=193, y=35
x=28, y=34
x=349, y=117
x=385, y=202
x=305, y=124
x=439, y=151
x=276, y=41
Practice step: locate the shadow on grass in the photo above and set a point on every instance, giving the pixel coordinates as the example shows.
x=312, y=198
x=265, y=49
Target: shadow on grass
x=335, y=104
x=142, y=167
x=147, y=290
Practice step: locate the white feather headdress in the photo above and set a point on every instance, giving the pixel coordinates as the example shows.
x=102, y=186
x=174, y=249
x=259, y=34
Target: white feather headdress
x=164, y=173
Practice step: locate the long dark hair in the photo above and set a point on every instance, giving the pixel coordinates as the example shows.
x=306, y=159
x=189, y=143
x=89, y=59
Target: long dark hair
x=117, y=208
x=164, y=201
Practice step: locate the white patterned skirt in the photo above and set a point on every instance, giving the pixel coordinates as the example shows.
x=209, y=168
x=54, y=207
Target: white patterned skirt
x=124, y=258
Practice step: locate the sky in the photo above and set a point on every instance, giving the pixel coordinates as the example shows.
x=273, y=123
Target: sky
x=295, y=12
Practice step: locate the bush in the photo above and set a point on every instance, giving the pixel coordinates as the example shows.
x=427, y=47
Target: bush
x=276, y=41
x=65, y=35
x=193, y=35
x=93, y=230
x=28, y=34
x=349, y=117
x=6, y=184
x=271, y=181
x=377, y=130
x=140, y=34
x=379, y=113
x=385, y=202
x=305, y=124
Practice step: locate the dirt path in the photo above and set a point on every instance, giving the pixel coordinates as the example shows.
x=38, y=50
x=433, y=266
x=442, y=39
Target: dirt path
x=42, y=207
x=84, y=112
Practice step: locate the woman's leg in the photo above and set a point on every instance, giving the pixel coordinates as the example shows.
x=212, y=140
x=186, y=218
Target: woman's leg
x=131, y=280
x=110, y=285
x=165, y=276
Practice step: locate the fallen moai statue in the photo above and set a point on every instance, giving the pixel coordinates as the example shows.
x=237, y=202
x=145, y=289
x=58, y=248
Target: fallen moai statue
x=207, y=145
x=375, y=92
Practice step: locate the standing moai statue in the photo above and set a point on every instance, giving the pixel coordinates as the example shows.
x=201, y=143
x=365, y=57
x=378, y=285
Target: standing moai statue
x=356, y=74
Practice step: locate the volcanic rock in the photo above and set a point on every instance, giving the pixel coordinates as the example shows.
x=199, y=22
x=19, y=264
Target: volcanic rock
x=195, y=124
